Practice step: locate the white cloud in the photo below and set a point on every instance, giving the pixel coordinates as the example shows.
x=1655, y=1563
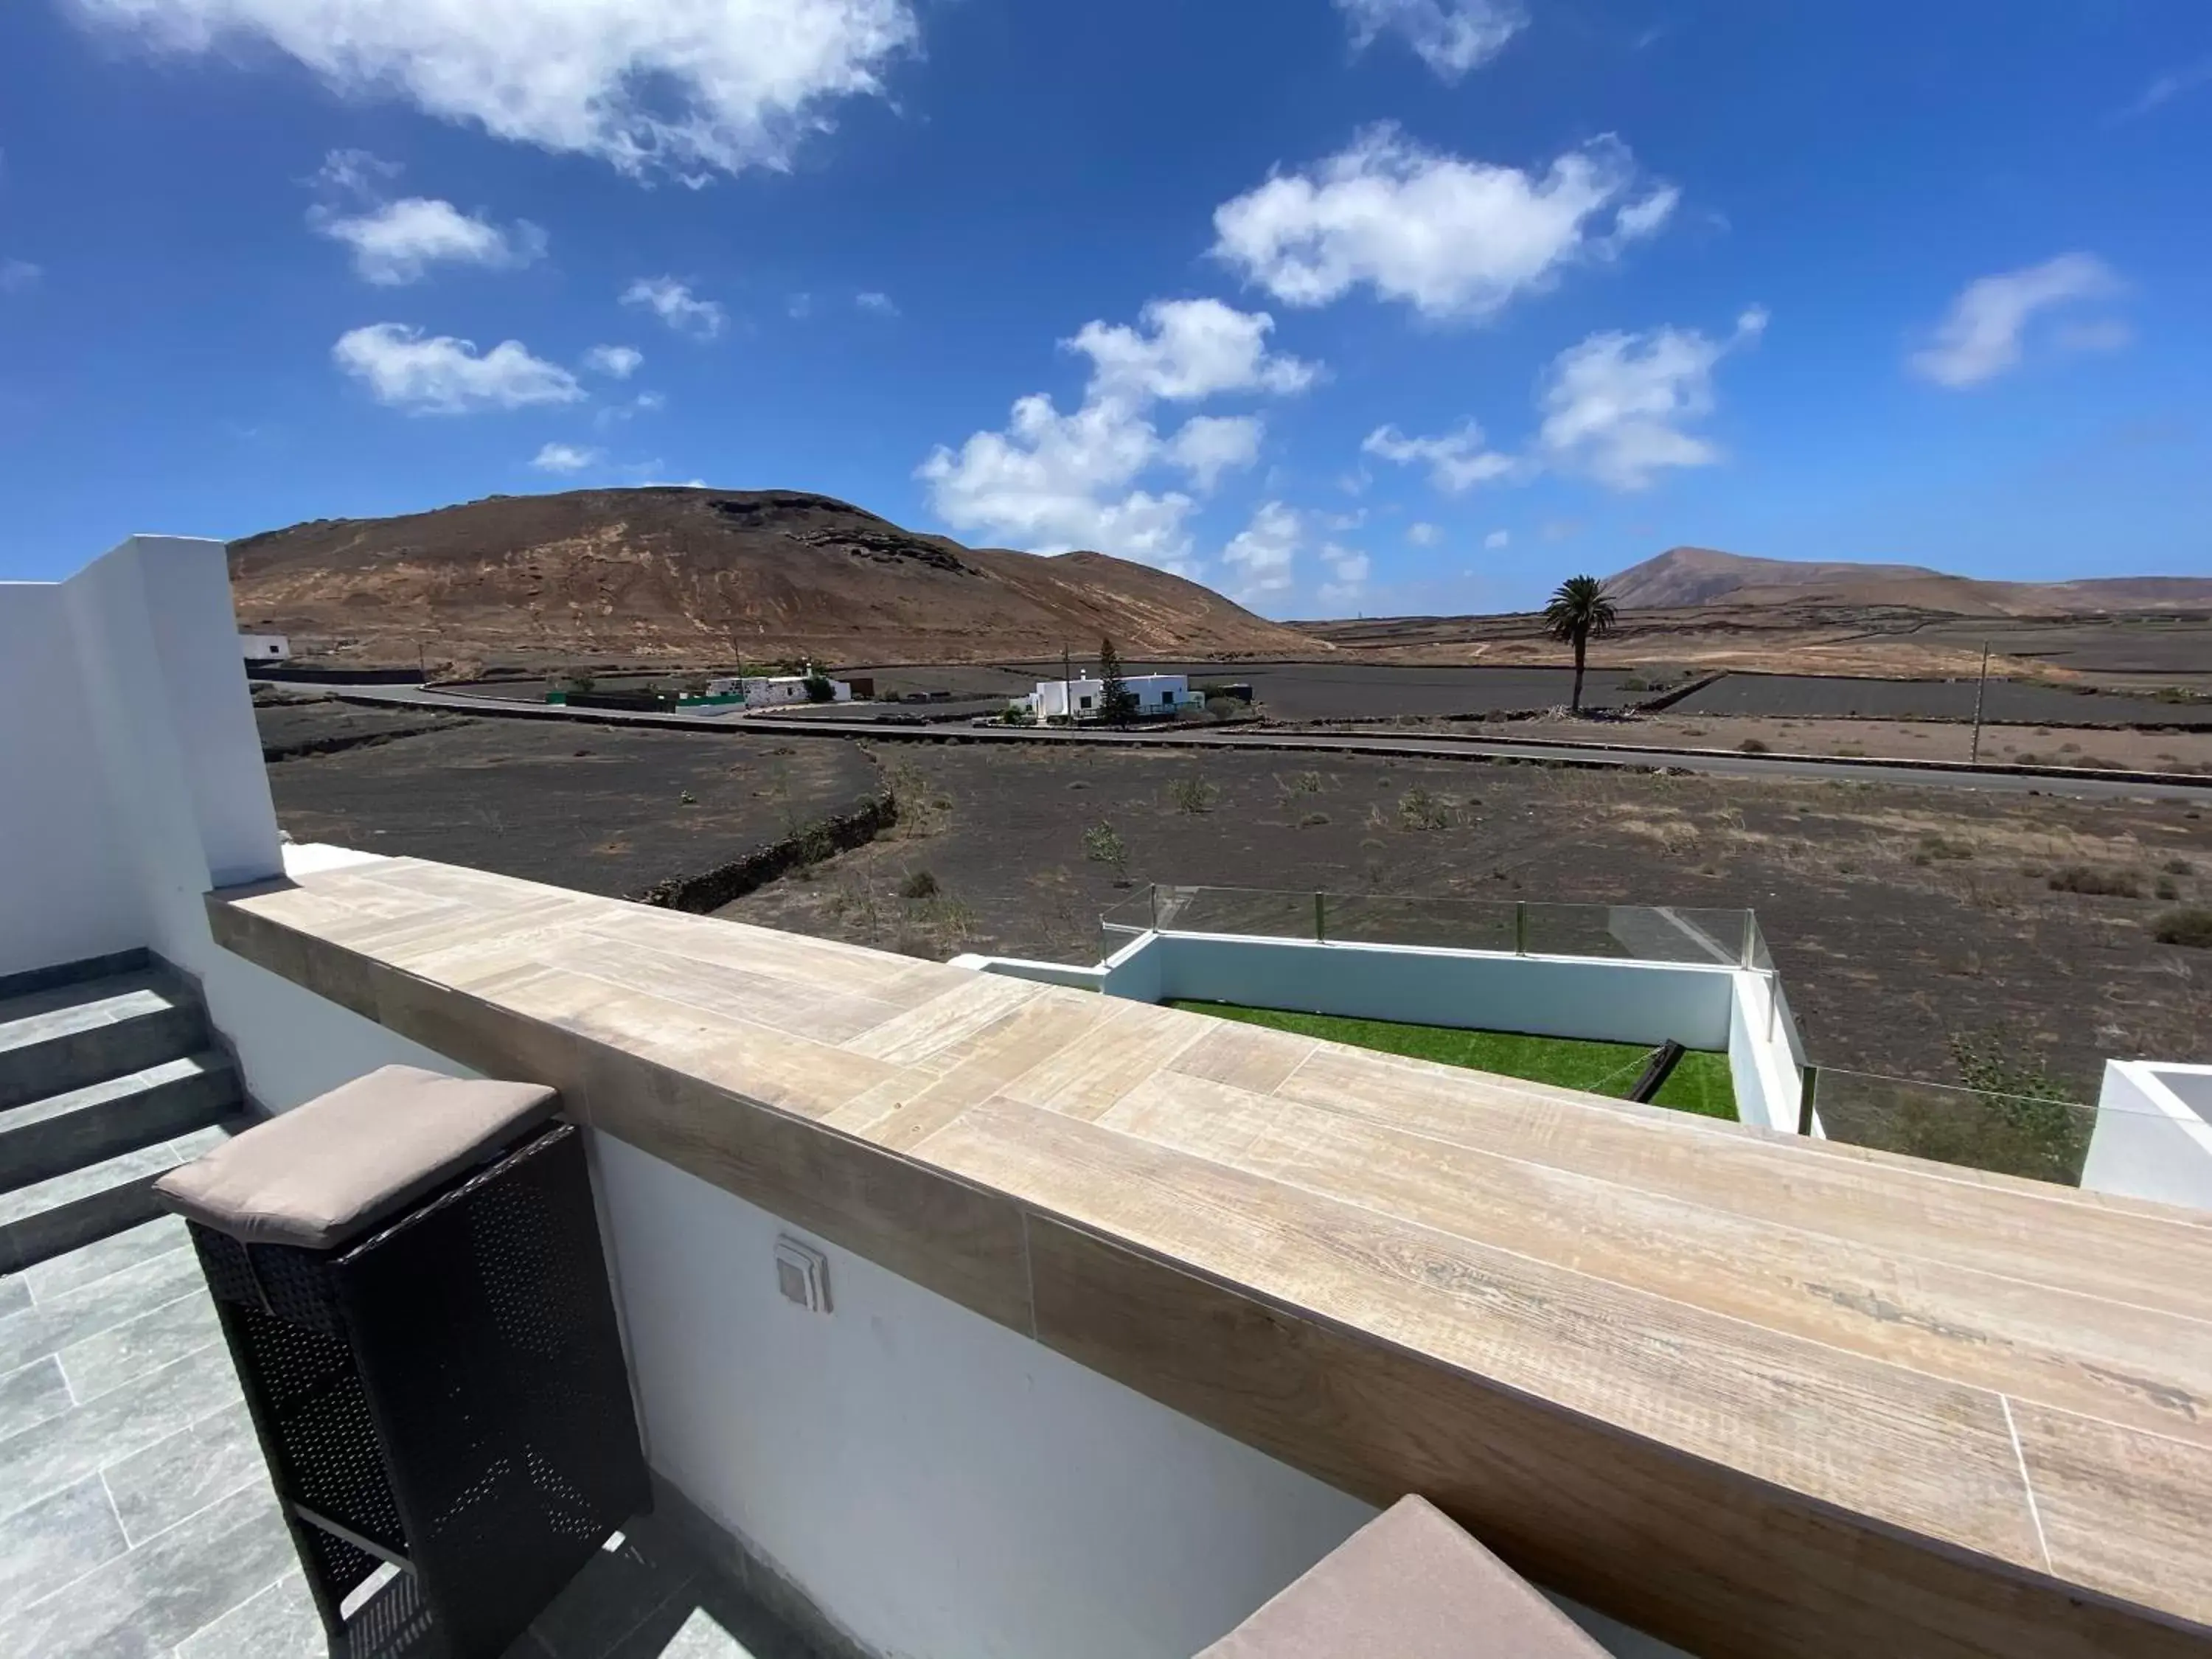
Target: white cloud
x=2165, y=88
x=799, y=307
x=1982, y=335
x=1451, y=237
x=1054, y=482
x=675, y=304
x=1209, y=445
x=686, y=86
x=440, y=376
x=565, y=458
x=617, y=362
x=1497, y=539
x=19, y=276
x=1450, y=36
x=1347, y=569
x=1187, y=349
x=881, y=304
x=1457, y=461
x=1262, y=555
x=1424, y=534
x=395, y=243
x=1615, y=404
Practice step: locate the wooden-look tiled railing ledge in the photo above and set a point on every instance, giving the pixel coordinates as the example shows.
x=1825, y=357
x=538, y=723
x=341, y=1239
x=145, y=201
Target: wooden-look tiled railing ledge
x=1752, y=1395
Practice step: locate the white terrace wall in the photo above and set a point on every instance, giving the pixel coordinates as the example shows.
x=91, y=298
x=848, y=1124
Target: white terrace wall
x=940, y=1486
x=2152, y=1136
x=65, y=889
x=135, y=783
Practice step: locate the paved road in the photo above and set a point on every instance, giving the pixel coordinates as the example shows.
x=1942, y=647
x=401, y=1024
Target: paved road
x=1335, y=742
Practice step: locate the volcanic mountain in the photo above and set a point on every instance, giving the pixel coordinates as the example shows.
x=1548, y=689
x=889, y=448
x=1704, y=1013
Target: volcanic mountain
x=1685, y=576
x=670, y=576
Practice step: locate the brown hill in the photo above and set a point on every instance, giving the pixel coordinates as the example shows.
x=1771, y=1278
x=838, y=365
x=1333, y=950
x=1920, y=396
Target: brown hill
x=1684, y=576
x=704, y=576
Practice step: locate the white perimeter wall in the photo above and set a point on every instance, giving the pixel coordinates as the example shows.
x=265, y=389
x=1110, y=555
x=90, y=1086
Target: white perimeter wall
x=2152, y=1136
x=134, y=784
x=941, y=1487
x=1603, y=1001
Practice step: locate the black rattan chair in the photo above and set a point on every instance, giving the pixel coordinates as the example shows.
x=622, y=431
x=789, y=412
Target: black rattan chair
x=439, y=1390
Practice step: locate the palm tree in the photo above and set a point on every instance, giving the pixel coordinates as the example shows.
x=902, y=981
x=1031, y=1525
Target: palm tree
x=1580, y=612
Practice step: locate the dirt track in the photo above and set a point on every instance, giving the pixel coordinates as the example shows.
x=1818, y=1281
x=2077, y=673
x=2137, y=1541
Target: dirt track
x=1902, y=918
x=601, y=809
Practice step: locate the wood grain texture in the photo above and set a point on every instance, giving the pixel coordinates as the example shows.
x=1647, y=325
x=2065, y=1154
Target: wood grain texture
x=1901, y=1447
x=2113, y=1359
x=1753, y=1395
x=1662, y=1543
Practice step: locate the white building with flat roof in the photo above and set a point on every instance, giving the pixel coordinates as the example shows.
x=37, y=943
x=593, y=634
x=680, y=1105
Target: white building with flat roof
x=775, y=690
x=1156, y=695
x=265, y=647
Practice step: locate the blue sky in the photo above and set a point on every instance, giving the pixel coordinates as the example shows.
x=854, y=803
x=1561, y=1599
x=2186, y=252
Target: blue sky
x=1339, y=305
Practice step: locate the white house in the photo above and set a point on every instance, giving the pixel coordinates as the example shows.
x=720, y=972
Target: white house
x=1156, y=694
x=265, y=647
x=774, y=691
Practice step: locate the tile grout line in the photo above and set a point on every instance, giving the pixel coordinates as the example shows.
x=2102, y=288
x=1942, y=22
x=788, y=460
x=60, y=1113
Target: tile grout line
x=2020, y=1455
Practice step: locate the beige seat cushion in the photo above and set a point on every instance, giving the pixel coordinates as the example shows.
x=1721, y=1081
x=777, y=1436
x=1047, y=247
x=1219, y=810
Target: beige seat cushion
x=1409, y=1585
x=326, y=1171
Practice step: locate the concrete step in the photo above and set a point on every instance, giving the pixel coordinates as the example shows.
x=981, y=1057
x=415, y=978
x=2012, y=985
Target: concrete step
x=74, y=973
x=50, y=1217
x=68, y=1036
x=42, y=1139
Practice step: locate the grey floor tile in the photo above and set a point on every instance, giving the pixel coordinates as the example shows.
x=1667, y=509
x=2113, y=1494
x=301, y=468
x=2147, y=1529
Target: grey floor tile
x=14, y=1295
x=280, y=1623
x=32, y=1395
x=154, y=1489
x=112, y=1255
x=123, y=1352
x=172, y=1586
x=612, y=1594
x=21, y=1207
x=72, y=1315
x=55, y=1542
x=712, y=1620
x=62, y=1451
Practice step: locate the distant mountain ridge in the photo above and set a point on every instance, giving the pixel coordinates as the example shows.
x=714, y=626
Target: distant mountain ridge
x=708, y=575
x=1682, y=577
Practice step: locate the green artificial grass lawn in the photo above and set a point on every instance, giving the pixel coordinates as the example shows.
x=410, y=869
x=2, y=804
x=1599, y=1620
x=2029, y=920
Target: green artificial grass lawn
x=1700, y=1083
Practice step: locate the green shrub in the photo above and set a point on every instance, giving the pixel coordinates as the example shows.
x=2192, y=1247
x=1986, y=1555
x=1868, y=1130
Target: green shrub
x=920, y=884
x=1752, y=746
x=2179, y=867
x=2096, y=884
x=1419, y=809
x=2191, y=926
x=1192, y=794
x=1101, y=845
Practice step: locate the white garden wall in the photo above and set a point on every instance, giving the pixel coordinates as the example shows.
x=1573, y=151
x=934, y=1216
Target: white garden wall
x=1603, y=999
x=2152, y=1136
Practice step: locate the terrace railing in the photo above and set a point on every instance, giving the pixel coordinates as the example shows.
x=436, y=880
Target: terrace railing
x=1633, y=932
x=2039, y=1137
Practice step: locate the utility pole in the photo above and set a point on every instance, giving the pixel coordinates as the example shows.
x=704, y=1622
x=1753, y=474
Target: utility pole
x=1974, y=759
